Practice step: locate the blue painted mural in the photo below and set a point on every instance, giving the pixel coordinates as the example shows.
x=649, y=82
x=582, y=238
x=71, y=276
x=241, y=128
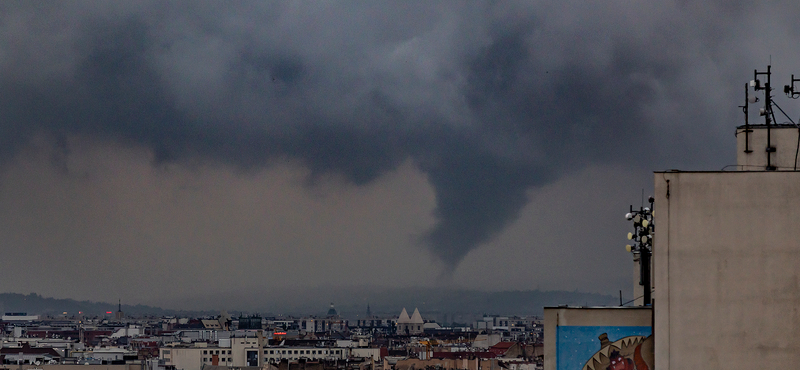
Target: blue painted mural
x=604, y=348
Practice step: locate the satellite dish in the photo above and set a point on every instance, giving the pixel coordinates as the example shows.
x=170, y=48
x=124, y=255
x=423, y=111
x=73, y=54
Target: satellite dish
x=37, y=363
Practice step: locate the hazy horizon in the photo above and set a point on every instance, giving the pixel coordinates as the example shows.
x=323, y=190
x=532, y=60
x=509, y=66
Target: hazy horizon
x=350, y=303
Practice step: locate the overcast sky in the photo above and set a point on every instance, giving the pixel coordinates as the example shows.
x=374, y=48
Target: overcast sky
x=153, y=151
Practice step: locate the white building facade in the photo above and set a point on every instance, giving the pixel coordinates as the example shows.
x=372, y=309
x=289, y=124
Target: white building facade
x=727, y=260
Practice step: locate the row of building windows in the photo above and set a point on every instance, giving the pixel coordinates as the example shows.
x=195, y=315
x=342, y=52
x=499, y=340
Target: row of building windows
x=302, y=352
x=212, y=352
x=205, y=359
x=273, y=359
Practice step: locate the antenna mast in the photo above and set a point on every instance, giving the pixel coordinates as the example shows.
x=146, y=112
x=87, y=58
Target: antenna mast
x=642, y=237
x=747, y=129
x=767, y=110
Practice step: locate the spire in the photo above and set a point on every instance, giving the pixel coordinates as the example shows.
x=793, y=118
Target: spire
x=369, y=313
x=416, y=318
x=403, y=319
x=119, y=315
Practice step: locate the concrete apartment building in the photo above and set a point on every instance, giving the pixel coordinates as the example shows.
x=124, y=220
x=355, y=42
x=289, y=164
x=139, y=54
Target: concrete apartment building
x=194, y=357
x=235, y=351
x=245, y=351
x=727, y=259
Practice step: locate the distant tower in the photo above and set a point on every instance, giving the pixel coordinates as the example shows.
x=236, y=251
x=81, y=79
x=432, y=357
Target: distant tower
x=369, y=313
x=332, y=311
x=119, y=314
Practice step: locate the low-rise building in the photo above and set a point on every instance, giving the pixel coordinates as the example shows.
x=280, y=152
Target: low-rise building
x=410, y=325
x=195, y=357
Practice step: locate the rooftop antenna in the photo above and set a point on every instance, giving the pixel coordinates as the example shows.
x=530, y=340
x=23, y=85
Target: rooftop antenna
x=747, y=130
x=767, y=110
x=642, y=238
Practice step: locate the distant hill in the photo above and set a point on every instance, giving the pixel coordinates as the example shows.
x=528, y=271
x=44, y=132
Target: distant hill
x=35, y=304
x=442, y=304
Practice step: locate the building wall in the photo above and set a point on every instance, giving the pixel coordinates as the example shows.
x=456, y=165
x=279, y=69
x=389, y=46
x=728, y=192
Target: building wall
x=240, y=346
x=727, y=252
x=182, y=358
x=275, y=354
x=573, y=335
x=783, y=138
x=374, y=353
x=410, y=328
x=193, y=358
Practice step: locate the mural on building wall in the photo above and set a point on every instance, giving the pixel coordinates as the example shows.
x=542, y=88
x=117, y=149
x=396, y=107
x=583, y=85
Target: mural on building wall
x=604, y=348
x=630, y=353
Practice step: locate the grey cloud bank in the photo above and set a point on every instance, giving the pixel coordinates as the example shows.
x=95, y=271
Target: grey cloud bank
x=489, y=101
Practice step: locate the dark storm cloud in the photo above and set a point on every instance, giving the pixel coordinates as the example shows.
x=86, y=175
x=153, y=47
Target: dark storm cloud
x=527, y=93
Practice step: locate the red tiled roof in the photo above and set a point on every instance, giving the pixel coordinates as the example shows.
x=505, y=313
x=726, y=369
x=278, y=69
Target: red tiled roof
x=504, y=345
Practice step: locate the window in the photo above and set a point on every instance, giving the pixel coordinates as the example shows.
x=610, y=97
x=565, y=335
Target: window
x=295, y=351
x=284, y=352
x=166, y=351
x=205, y=359
x=270, y=351
x=205, y=352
